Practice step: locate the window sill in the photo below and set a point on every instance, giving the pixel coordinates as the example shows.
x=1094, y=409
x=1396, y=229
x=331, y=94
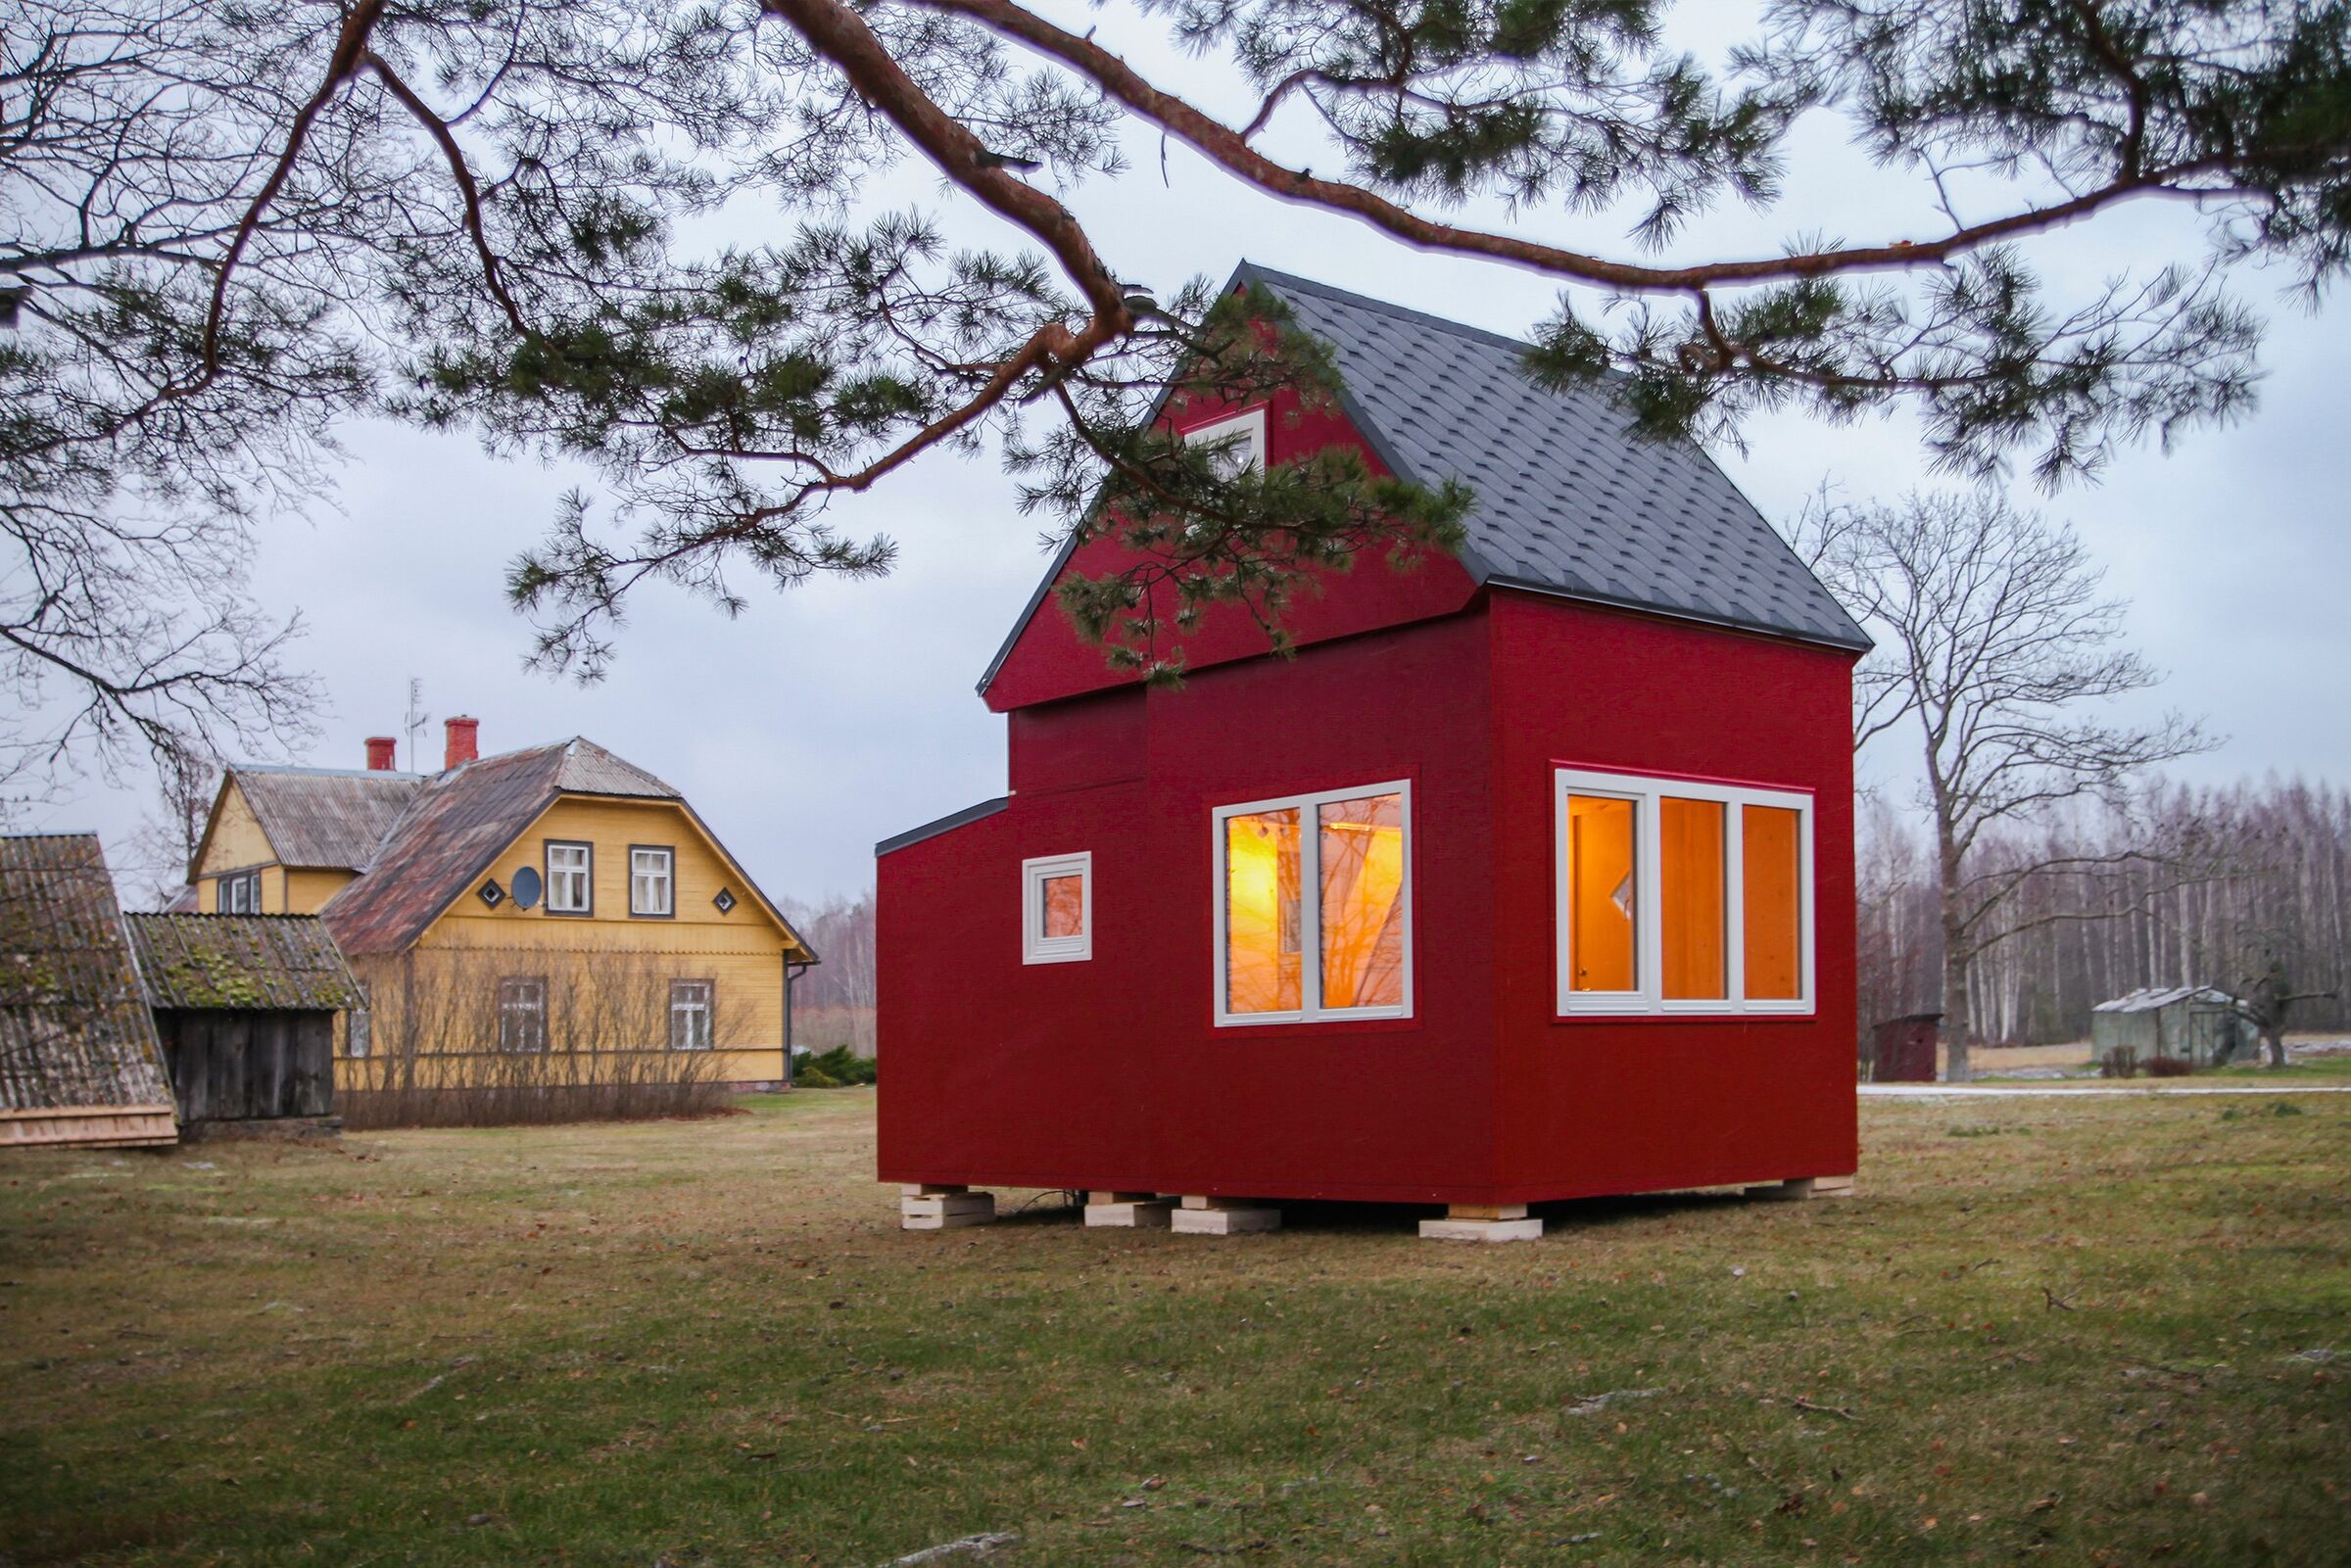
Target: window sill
x=1791, y=1012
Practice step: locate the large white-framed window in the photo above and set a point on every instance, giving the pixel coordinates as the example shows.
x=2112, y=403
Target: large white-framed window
x=1314, y=906
x=1240, y=440
x=1057, y=908
x=1677, y=896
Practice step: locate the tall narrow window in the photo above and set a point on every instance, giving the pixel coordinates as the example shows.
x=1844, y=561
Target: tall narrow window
x=1057, y=909
x=1362, y=889
x=522, y=1013
x=1601, y=953
x=1695, y=962
x=570, y=883
x=1680, y=896
x=693, y=1007
x=651, y=879
x=1774, y=904
x=1326, y=875
x=1262, y=912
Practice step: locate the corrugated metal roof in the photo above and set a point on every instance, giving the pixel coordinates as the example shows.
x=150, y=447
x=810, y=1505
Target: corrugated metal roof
x=75, y=1029
x=242, y=963
x=2151, y=997
x=333, y=816
x=1570, y=500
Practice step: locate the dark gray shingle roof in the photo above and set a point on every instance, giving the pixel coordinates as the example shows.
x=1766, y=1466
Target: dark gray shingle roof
x=75, y=1029
x=1569, y=501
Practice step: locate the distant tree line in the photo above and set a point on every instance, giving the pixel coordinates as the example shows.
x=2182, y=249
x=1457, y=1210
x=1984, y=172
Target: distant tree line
x=2245, y=887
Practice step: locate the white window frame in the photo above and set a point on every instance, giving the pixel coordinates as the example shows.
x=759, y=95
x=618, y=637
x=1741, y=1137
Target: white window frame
x=522, y=1007
x=1250, y=424
x=685, y=1011
x=584, y=871
x=1035, y=946
x=1647, y=791
x=1309, y=907
x=665, y=878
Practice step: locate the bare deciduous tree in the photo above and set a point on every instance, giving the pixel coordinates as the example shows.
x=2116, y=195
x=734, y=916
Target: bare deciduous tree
x=1997, y=650
x=187, y=778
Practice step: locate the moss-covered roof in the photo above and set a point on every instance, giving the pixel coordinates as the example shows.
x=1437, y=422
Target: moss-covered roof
x=74, y=1030
x=242, y=963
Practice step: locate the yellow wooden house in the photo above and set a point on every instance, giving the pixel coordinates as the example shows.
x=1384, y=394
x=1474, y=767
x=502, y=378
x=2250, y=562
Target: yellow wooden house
x=553, y=911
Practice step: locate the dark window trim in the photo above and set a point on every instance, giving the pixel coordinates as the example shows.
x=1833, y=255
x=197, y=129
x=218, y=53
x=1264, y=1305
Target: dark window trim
x=671, y=913
x=710, y=1011
x=547, y=870
x=250, y=879
x=545, y=1006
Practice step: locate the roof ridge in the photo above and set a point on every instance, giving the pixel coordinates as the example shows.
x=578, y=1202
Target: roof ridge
x=1329, y=291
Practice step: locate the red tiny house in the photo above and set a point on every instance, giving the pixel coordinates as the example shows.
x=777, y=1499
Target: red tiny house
x=1325, y=955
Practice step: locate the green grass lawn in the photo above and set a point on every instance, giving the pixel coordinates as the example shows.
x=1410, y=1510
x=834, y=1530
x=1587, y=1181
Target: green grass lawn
x=2078, y=1330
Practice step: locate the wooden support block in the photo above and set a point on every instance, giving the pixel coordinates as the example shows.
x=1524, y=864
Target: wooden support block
x=1481, y=1229
x=1485, y=1211
x=1098, y=1195
x=1128, y=1215
x=950, y=1211
x=1224, y=1216
x=1800, y=1188
x=931, y=1189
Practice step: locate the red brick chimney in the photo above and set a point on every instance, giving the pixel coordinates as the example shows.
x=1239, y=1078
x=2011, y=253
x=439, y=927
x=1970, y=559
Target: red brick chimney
x=461, y=748
x=379, y=753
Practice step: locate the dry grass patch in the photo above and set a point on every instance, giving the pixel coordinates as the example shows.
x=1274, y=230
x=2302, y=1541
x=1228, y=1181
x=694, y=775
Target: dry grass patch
x=2068, y=1329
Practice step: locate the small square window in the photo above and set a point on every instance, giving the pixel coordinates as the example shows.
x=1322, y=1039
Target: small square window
x=652, y=882
x=725, y=901
x=491, y=894
x=1057, y=909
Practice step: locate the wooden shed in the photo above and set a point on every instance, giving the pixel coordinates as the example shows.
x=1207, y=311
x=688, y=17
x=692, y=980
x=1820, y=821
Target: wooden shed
x=79, y=1062
x=245, y=1009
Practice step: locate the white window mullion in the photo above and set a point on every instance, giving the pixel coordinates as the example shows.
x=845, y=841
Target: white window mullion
x=1310, y=908
x=1734, y=902
x=1648, y=861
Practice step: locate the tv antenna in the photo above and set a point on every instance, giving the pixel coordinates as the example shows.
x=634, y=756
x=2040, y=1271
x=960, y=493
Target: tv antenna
x=416, y=719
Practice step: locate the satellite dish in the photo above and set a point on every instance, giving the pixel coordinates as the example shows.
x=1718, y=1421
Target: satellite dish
x=525, y=884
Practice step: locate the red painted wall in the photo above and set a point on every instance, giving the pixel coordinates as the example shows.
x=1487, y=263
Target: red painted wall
x=1111, y=1072
x=1594, y=1105
x=1049, y=660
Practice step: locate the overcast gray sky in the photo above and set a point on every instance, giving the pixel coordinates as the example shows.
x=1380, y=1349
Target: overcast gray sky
x=831, y=717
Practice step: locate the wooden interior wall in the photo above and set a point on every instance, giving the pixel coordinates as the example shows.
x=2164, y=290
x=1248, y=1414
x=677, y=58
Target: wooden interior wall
x=238, y=1066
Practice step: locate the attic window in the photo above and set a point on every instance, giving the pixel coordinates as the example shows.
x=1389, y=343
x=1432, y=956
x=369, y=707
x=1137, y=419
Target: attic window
x=240, y=893
x=1057, y=909
x=570, y=881
x=652, y=889
x=1676, y=896
x=1240, y=442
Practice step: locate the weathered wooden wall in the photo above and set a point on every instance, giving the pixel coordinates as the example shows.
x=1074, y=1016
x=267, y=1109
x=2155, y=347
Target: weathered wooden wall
x=237, y=1066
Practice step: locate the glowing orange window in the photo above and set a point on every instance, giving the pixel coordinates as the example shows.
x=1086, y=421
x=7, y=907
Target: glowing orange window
x=1694, y=958
x=1601, y=878
x=1773, y=905
x=1262, y=915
